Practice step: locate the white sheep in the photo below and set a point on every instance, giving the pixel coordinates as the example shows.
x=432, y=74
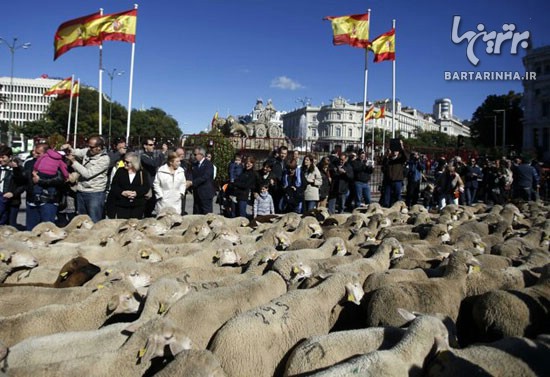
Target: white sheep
x=201, y=314
x=12, y=260
x=193, y=363
x=88, y=314
x=436, y=295
x=406, y=358
x=130, y=360
x=255, y=342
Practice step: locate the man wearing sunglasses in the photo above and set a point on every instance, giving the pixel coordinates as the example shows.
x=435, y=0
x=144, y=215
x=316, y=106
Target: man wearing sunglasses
x=151, y=161
x=203, y=183
x=91, y=164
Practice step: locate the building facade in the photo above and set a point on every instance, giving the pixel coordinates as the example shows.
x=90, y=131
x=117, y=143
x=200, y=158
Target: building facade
x=536, y=103
x=339, y=124
x=25, y=100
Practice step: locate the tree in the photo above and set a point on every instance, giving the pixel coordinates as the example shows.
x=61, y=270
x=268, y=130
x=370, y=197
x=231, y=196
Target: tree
x=483, y=121
x=153, y=122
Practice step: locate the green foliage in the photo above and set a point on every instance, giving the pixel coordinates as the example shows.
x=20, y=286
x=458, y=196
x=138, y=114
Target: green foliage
x=153, y=122
x=220, y=146
x=484, y=120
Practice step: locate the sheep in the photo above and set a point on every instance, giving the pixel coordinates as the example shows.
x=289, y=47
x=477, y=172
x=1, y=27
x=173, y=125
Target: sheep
x=488, y=279
x=257, y=342
x=196, y=314
x=406, y=358
x=522, y=312
x=507, y=357
x=193, y=363
x=11, y=261
x=284, y=263
x=85, y=315
x=394, y=275
x=67, y=345
x=74, y=273
x=134, y=358
x=436, y=295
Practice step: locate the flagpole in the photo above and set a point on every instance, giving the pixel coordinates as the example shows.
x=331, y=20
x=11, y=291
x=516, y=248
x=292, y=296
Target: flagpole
x=394, y=113
x=70, y=108
x=364, y=124
x=131, y=87
x=76, y=115
x=100, y=99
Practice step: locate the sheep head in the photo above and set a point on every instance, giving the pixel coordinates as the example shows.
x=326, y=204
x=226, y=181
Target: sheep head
x=75, y=273
x=123, y=303
x=228, y=257
x=18, y=259
x=299, y=272
x=354, y=292
x=166, y=335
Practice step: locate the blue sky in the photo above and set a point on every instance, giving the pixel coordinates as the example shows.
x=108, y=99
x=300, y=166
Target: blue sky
x=196, y=57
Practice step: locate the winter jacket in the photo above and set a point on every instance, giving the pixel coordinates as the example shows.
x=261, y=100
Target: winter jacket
x=49, y=162
x=169, y=188
x=263, y=205
x=92, y=170
x=244, y=184
x=121, y=182
x=312, y=182
x=361, y=171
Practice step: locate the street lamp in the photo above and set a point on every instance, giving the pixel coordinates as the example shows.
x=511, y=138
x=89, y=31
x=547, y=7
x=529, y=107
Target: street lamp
x=12, y=47
x=503, y=111
x=495, y=129
x=112, y=74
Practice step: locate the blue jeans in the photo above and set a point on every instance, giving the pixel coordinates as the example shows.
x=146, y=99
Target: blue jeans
x=362, y=192
x=242, y=204
x=392, y=192
x=339, y=201
x=4, y=210
x=40, y=214
x=310, y=204
x=470, y=193
x=91, y=204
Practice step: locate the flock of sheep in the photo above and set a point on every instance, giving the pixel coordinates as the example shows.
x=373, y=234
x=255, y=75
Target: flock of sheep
x=381, y=292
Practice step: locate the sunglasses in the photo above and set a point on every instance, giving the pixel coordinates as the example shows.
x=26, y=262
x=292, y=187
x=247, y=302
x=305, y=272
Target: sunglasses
x=151, y=145
x=128, y=162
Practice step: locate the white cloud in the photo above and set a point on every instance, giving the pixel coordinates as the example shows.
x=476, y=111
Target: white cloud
x=286, y=83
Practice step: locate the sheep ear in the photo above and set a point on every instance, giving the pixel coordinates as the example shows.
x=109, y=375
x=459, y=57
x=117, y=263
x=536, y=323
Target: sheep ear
x=133, y=327
x=408, y=316
x=113, y=303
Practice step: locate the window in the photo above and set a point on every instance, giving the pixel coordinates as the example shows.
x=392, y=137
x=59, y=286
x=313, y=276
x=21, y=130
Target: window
x=350, y=132
x=338, y=132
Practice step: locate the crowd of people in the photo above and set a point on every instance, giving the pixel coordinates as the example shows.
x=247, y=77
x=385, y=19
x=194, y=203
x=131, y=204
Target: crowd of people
x=118, y=183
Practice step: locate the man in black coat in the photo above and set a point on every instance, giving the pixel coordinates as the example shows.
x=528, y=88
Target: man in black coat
x=203, y=183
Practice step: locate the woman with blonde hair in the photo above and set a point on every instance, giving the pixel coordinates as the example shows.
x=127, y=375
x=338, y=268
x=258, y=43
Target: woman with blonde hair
x=170, y=184
x=128, y=189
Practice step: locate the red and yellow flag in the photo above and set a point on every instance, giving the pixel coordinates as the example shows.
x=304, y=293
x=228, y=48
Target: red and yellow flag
x=75, y=33
x=381, y=113
x=119, y=26
x=369, y=114
x=352, y=30
x=384, y=47
x=214, y=119
x=76, y=89
x=62, y=88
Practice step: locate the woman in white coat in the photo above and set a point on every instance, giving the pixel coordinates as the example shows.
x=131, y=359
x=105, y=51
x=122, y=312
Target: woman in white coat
x=169, y=184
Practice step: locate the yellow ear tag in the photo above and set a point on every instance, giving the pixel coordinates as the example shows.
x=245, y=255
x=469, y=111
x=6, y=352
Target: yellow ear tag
x=100, y=286
x=109, y=271
x=2, y=256
x=63, y=274
x=162, y=308
x=295, y=269
x=476, y=268
x=141, y=352
x=351, y=297
x=144, y=254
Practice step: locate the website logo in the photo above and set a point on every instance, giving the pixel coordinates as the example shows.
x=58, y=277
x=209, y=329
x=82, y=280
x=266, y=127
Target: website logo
x=493, y=40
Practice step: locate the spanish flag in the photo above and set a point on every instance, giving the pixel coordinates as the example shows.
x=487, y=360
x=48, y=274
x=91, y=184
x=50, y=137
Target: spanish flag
x=369, y=114
x=76, y=89
x=75, y=33
x=119, y=26
x=384, y=47
x=62, y=88
x=352, y=30
x=381, y=113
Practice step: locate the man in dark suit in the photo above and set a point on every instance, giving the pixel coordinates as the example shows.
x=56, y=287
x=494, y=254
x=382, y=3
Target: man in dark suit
x=203, y=183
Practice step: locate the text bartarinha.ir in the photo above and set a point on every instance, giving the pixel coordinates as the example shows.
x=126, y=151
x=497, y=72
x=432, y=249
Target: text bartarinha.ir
x=489, y=76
